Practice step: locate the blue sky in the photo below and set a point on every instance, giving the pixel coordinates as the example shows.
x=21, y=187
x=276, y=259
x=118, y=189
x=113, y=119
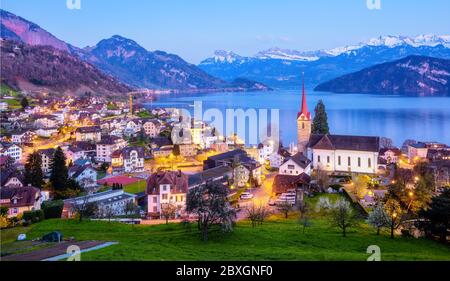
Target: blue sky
x=193, y=29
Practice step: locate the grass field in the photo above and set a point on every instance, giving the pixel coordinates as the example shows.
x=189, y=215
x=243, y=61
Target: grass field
x=135, y=187
x=277, y=239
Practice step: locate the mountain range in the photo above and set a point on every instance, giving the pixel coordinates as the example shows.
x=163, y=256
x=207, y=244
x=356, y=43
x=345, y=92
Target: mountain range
x=124, y=60
x=283, y=68
x=410, y=75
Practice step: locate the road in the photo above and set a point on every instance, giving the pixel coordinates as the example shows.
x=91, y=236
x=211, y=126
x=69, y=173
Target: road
x=261, y=196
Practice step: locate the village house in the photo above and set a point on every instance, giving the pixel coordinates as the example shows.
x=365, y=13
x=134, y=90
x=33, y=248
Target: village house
x=107, y=146
x=264, y=151
x=221, y=174
x=20, y=199
x=45, y=121
x=344, y=154
x=293, y=173
x=10, y=177
x=85, y=176
x=390, y=155
x=108, y=202
x=278, y=158
x=152, y=128
x=188, y=150
x=47, y=132
x=93, y=133
x=418, y=151
x=80, y=150
x=128, y=160
x=24, y=137
x=12, y=150
x=166, y=187
x=47, y=158
x=296, y=165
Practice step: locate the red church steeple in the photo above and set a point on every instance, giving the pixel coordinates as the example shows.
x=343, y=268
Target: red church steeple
x=304, y=110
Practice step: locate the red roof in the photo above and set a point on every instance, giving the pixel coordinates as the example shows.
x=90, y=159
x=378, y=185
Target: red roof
x=304, y=110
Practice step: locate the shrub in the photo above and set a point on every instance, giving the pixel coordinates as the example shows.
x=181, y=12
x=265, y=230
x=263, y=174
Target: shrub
x=33, y=216
x=52, y=209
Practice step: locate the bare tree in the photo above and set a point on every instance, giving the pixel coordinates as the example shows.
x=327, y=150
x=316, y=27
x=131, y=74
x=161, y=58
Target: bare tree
x=386, y=142
x=323, y=180
x=342, y=215
x=168, y=211
x=257, y=215
x=285, y=208
x=378, y=218
x=210, y=204
x=303, y=218
x=85, y=209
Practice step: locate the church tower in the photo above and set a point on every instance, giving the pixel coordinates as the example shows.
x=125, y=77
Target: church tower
x=303, y=123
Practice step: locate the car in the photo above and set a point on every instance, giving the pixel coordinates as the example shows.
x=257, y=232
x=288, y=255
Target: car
x=246, y=196
x=272, y=202
x=280, y=201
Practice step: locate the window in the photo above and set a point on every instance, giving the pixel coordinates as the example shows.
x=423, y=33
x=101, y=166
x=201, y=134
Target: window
x=369, y=163
x=349, y=160
x=164, y=196
x=339, y=160
x=155, y=209
x=303, y=125
x=155, y=199
x=328, y=159
x=164, y=188
x=318, y=158
x=291, y=167
x=359, y=161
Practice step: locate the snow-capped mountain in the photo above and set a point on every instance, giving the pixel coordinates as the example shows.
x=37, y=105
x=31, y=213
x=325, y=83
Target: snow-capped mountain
x=286, y=54
x=282, y=68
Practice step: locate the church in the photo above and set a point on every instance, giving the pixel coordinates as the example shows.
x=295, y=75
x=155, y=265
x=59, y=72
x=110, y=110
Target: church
x=335, y=153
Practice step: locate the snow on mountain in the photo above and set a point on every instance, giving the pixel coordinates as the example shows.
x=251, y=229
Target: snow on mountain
x=221, y=56
x=284, y=54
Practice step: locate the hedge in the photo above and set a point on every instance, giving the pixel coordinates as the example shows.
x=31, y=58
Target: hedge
x=52, y=209
x=33, y=216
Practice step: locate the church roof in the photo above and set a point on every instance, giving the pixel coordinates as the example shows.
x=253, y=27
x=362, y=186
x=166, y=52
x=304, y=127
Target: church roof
x=304, y=109
x=340, y=142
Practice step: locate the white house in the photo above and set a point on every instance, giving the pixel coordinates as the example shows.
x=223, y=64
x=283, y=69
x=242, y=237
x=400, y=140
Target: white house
x=128, y=160
x=151, y=128
x=46, y=132
x=296, y=165
x=45, y=121
x=93, y=133
x=85, y=175
x=107, y=146
x=12, y=150
x=23, y=137
x=344, y=154
x=111, y=201
x=264, y=151
x=166, y=187
x=47, y=157
x=277, y=159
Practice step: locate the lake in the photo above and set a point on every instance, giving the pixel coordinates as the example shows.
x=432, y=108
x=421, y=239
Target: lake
x=395, y=117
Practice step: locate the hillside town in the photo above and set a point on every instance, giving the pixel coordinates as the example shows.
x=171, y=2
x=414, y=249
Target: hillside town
x=120, y=156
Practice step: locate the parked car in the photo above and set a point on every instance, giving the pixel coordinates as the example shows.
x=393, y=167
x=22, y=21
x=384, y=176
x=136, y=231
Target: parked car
x=272, y=202
x=246, y=196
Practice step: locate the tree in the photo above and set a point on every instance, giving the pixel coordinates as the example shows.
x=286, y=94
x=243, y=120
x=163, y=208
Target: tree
x=320, y=122
x=394, y=215
x=210, y=203
x=257, y=215
x=435, y=221
x=342, y=215
x=176, y=150
x=386, y=143
x=59, y=172
x=323, y=180
x=24, y=102
x=378, y=218
x=33, y=170
x=168, y=211
x=304, y=215
x=361, y=185
x=85, y=209
x=285, y=208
